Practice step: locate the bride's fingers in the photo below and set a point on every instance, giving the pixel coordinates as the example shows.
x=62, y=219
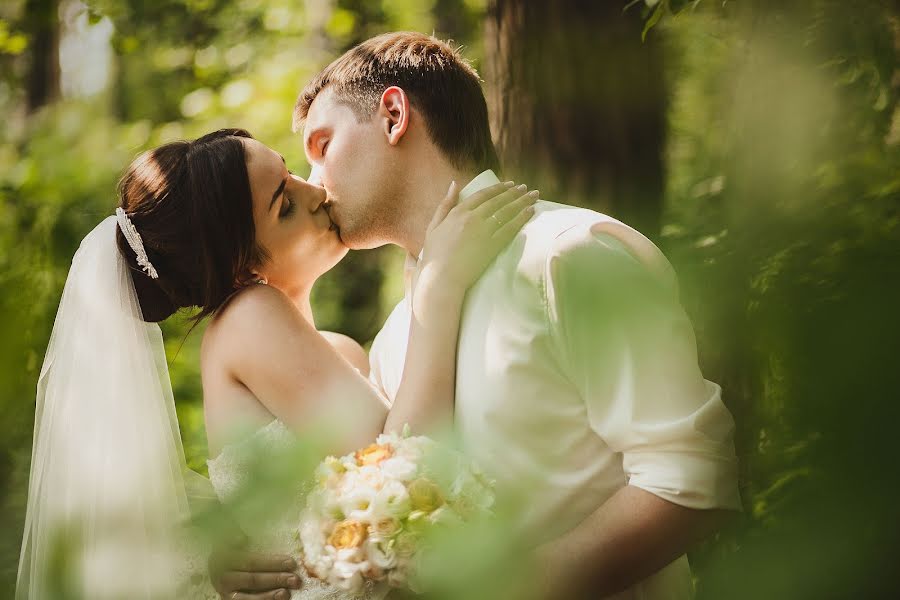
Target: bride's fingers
x=480, y=197
x=508, y=212
x=503, y=236
x=446, y=205
x=491, y=206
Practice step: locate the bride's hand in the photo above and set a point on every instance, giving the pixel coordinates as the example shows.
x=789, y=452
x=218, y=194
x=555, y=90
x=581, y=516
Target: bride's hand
x=465, y=237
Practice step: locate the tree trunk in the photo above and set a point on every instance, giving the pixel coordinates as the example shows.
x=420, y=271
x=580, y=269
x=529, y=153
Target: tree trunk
x=578, y=104
x=42, y=25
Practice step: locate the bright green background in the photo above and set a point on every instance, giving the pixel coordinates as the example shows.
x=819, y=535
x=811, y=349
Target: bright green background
x=781, y=217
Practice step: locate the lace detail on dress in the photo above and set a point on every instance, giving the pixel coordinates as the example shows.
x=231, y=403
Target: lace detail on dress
x=231, y=470
x=193, y=577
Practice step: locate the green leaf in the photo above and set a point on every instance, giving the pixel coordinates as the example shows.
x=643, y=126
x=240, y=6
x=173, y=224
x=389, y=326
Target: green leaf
x=654, y=19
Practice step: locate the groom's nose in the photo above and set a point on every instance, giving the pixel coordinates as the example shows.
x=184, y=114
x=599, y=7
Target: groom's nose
x=315, y=175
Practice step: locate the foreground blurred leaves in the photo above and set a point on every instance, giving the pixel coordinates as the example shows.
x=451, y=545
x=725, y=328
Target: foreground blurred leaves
x=782, y=219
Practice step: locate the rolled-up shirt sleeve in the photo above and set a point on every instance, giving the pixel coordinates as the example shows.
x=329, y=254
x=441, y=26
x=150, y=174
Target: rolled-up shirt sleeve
x=627, y=345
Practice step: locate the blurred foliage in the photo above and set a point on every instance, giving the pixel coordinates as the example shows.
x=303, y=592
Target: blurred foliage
x=781, y=219
x=783, y=222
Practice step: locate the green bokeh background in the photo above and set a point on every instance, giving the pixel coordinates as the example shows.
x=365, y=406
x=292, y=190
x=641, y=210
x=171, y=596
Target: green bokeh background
x=780, y=213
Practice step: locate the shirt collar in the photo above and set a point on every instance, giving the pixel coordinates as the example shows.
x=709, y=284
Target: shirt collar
x=482, y=180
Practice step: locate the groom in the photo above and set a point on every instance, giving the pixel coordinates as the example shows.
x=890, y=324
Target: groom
x=577, y=373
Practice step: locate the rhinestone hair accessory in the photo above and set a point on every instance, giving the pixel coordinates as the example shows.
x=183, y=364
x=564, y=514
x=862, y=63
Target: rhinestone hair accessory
x=136, y=243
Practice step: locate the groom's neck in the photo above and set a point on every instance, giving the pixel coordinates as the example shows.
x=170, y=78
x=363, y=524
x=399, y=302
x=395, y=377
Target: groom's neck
x=426, y=189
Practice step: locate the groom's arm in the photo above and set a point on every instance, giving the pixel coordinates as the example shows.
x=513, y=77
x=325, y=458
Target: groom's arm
x=625, y=343
x=630, y=537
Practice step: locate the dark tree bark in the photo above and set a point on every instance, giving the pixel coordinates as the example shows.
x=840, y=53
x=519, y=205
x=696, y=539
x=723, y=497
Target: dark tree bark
x=457, y=22
x=42, y=26
x=578, y=104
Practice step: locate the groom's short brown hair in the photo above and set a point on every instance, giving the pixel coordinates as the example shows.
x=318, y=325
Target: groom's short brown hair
x=439, y=82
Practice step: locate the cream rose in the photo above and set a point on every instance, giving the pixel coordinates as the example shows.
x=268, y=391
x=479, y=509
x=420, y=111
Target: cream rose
x=373, y=454
x=348, y=534
x=425, y=495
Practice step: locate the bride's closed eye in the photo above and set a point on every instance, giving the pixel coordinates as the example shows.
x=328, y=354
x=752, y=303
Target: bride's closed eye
x=288, y=207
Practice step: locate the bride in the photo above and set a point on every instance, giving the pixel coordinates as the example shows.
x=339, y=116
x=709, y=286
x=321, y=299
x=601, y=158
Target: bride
x=220, y=224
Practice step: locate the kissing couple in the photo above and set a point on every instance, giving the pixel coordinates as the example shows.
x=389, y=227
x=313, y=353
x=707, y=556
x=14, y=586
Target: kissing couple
x=550, y=338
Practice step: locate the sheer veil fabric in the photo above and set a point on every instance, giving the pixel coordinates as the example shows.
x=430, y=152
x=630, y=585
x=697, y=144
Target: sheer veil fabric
x=107, y=489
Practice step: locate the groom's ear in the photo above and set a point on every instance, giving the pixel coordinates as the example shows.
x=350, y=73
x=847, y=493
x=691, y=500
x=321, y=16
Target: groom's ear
x=393, y=112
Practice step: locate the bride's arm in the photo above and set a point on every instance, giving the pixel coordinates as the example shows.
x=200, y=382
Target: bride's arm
x=301, y=379
x=266, y=345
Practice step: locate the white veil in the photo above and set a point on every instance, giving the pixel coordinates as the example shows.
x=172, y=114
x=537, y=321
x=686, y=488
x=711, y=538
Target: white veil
x=107, y=488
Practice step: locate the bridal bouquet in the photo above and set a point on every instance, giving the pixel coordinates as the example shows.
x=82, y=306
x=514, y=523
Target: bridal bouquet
x=371, y=512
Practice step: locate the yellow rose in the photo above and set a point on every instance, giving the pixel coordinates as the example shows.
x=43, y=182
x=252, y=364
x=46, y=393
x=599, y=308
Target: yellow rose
x=347, y=534
x=374, y=454
x=425, y=495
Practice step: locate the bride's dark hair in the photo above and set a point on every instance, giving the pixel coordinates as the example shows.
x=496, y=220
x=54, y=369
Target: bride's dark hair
x=191, y=203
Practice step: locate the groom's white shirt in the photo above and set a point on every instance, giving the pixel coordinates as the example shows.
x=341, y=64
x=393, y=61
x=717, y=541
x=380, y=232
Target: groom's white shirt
x=556, y=399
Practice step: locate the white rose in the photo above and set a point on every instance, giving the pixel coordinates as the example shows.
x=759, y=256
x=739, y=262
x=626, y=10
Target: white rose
x=346, y=576
x=349, y=463
x=321, y=567
x=381, y=554
x=388, y=438
x=329, y=472
x=371, y=476
x=348, y=555
x=312, y=538
x=356, y=497
x=414, y=448
x=400, y=468
x=391, y=501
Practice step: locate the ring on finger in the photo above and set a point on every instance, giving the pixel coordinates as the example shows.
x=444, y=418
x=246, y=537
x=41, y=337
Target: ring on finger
x=496, y=220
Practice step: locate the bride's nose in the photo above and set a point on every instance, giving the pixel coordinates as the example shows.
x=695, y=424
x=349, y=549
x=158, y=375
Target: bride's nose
x=314, y=195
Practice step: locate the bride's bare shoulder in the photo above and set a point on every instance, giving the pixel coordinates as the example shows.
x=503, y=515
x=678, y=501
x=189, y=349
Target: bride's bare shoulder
x=251, y=315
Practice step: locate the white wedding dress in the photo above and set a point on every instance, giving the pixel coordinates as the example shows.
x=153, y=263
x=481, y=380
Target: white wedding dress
x=230, y=471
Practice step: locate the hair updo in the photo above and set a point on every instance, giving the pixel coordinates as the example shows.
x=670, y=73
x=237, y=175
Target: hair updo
x=191, y=203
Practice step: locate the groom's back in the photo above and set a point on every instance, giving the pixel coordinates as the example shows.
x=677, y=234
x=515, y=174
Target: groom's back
x=516, y=407
x=577, y=375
